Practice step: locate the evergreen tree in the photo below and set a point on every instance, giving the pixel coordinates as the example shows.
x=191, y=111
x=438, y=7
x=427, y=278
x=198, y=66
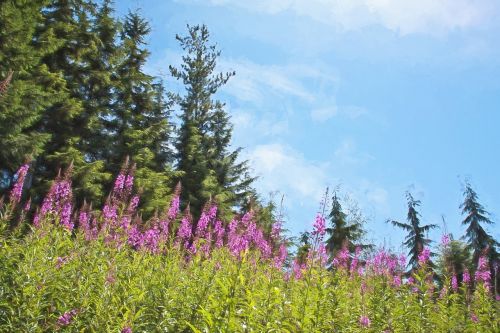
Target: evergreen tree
x=415, y=241
x=209, y=169
x=24, y=94
x=67, y=42
x=478, y=239
x=139, y=123
x=343, y=231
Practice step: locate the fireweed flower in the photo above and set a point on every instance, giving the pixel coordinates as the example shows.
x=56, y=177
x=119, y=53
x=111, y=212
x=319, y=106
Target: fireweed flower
x=174, y=208
x=119, y=183
x=341, y=259
x=280, y=257
x=454, y=283
x=319, y=226
x=219, y=234
x=423, y=257
x=483, y=273
x=58, y=203
x=17, y=189
x=445, y=239
x=66, y=318
x=396, y=281
x=364, y=321
x=134, y=202
x=466, y=276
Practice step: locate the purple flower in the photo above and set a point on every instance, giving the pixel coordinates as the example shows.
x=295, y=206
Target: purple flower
x=66, y=318
x=17, y=190
x=134, y=202
x=58, y=203
x=126, y=330
x=174, y=208
x=396, y=281
x=319, y=226
x=466, y=276
x=341, y=259
x=454, y=283
x=474, y=318
x=423, y=257
x=445, y=239
x=184, y=232
x=483, y=273
x=364, y=321
x=219, y=234
x=280, y=257
x=119, y=183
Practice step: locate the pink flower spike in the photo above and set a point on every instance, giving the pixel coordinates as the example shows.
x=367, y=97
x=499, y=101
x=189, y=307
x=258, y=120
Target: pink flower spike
x=17, y=190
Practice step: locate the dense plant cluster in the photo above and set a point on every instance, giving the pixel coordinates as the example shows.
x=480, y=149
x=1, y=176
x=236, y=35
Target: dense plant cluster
x=107, y=270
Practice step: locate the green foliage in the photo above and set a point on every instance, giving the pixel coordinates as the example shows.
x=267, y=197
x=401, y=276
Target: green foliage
x=24, y=92
x=50, y=272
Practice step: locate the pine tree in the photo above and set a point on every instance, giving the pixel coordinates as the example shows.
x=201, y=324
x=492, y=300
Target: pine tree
x=415, y=241
x=140, y=125
x=209, y=168
x=24, y=94
x=343, y=231
x=478, y=240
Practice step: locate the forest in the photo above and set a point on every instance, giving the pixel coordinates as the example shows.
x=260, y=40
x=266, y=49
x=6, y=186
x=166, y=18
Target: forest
x=125, y=207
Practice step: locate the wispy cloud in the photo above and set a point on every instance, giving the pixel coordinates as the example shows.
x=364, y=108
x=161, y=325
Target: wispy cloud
x=254, y=81
x=283, y=168
x=403, y=16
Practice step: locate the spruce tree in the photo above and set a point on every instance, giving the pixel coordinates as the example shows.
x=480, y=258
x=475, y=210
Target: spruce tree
x=140, y=121
x=478, y=239
x=24, y=94
x=209, y=168
x=343, y=231
x=415, y=241
x=67, y=42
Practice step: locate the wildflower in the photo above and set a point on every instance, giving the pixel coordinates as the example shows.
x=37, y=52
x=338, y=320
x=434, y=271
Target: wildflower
x=466, y=276
x=341, y=258
x=134, y=202
x=61, y=261
x=126, y=330
x=454, y=283
x=364, y=321
x=276, y=230
x=319, y=226
x=280, y=257
x=445, y=239
x=17, y=190
x=119, y=183
x=483, y=273
x=474, y=318
x=423, y=257
x=27, y=206
x=66, y=318
x=174, y=208
x=219, y=234
x=396, y=281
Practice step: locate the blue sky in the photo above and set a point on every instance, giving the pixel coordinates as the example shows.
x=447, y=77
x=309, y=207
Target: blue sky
x=377, y=96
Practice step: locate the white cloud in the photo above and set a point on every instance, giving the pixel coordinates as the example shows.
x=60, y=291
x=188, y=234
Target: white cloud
x=403, y=16
x=282, y=168
x=253, y=81
x=347, y=154
x=325, y=113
